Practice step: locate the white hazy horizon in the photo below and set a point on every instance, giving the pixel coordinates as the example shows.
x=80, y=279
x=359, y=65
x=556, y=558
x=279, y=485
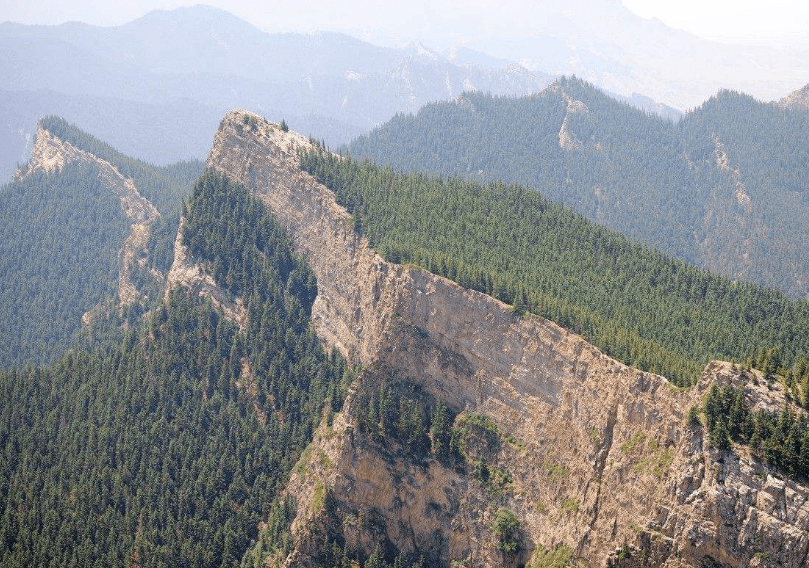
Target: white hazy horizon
x=657, y=48
x=446, y=23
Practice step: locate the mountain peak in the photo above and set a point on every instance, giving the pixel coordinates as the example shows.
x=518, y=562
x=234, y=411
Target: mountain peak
x=189, y=15
x=49, y=154
x=274, y=134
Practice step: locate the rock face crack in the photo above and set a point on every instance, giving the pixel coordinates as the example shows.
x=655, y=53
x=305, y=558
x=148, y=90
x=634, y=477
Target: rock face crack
x=600, y=463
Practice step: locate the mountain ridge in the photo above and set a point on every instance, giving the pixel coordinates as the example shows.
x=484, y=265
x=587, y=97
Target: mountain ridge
x=527, y=375
x=164, y=441
x=50, y=155
x=84, y=227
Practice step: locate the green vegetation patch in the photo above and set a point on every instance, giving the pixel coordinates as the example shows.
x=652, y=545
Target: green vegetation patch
x=556, y=557
x=637, y=439
x=318, y=498
x=555, y=470
x=506, y=528
x=518, y=444
x=401, y=412
x=570, y=505
x=779, y=438
x=470, y=419
x=658, y=463
x=648, y=456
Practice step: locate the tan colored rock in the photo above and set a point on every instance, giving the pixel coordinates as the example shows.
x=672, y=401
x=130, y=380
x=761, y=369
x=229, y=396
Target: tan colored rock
x=194, y=276
x=798, y=100
x=603, y=456
x=568, y=141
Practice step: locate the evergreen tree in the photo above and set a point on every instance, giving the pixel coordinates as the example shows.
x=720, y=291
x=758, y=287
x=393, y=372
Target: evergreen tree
x=440, y=430
x=739, y=412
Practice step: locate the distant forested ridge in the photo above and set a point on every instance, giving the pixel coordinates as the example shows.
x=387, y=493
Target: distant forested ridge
x=723, y=188
x=638, y=305
x=167, y=448
x=60, y=237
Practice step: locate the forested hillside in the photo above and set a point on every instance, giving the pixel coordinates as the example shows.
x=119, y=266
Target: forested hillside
x=167, y=449
x=59, y=240
x=638, y=305
x=61, y=235
x=722, y=188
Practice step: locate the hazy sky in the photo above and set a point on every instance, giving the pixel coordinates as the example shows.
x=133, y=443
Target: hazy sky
x=770, y=21
x=784, y=22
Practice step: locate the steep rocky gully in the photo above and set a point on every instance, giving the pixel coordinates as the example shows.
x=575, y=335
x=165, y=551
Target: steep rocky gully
x=594, y=457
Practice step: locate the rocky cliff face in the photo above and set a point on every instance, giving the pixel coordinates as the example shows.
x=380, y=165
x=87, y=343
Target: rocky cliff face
x=188, y=273
x=50, y=153
x=596, y=457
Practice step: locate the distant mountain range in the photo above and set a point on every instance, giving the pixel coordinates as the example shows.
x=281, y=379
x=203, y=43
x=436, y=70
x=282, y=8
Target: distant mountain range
x=156, y=87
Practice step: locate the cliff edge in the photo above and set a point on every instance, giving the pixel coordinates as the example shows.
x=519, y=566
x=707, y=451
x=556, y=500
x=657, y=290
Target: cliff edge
x=600, y=458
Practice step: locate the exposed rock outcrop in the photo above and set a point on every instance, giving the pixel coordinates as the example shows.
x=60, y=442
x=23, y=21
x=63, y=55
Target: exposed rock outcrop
x=731, y=226
x=567, y=141
x=603, y=460
x=723, y=163
x=193, y=275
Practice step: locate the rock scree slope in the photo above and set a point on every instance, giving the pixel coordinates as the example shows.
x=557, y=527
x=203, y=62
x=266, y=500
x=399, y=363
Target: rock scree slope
x=604, y=460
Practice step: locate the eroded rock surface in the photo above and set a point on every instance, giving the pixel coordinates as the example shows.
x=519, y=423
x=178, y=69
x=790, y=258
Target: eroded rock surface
x=798, y=99
x=188, y=273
